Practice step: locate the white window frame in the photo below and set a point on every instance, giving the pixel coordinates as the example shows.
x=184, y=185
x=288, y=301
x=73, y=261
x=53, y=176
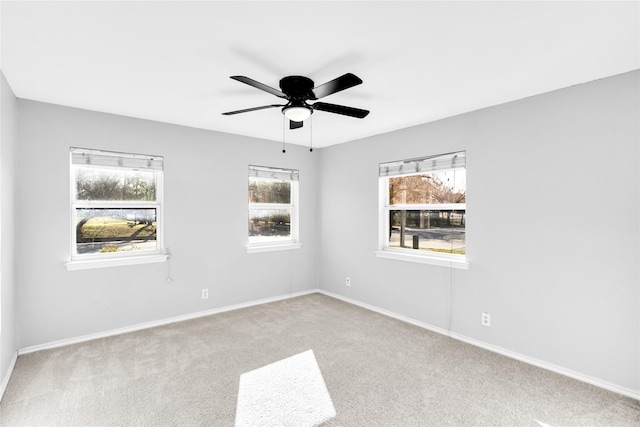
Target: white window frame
x=100, y=260
x=277, y=174
x=405, y=254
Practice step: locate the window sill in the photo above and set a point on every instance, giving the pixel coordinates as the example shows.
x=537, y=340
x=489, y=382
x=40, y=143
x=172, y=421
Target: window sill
x=424, y=259
x=271, y=248
x=115, y=262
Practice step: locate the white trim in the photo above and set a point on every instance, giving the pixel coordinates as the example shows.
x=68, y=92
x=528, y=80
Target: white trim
x=428, y=207
x=293, y=242
x=385, y=312
x=115, y=262
x=7, y=376
x=81, y=262
x=383, y=222
x=273, y=174
x=424, y=165
x=461, y=264
x=161, y=322
x=634, y=394
x=412, y=255
x=102, y=159
x=272, y=247
x=271, y=206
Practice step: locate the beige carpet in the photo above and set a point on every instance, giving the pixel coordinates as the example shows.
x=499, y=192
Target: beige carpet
x=377, y=372
x=286, y=393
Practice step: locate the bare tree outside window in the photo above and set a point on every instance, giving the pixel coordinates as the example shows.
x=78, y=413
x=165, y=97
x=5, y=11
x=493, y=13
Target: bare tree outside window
x=427, y=211
x=270, y=211
x=94, y=184
x=115, y=203
x=273, y=210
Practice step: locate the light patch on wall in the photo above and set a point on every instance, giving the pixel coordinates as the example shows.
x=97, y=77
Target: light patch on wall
x=290, y=392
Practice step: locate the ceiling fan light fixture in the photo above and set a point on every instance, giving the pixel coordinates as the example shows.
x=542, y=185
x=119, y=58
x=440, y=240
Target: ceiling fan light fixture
x=297, y=114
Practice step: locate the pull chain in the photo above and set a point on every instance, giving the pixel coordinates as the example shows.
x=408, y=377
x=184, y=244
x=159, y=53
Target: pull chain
x=283, y=122
x=311, y=133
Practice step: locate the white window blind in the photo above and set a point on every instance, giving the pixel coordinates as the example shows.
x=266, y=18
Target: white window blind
x=107, y=159
x=273, y=173
x=423, y=164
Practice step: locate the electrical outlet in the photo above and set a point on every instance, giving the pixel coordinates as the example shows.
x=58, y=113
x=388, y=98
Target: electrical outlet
x=348, y=281
x=486, y=319
x=205, y=293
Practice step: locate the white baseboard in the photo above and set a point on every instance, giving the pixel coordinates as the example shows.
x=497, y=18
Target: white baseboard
x=635, y=394
x=160, y=322
x=7, y=376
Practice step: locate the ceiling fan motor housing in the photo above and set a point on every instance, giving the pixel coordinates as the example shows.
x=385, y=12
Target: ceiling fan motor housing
x=297, y=87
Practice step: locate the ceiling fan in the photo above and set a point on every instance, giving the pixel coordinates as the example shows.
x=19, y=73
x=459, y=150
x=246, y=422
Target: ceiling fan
x=297, y=90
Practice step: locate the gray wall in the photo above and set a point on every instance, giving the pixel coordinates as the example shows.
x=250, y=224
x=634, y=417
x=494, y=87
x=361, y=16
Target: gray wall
x=552, y=232
x=8, y=144
x=553, y=227
x=205, y=222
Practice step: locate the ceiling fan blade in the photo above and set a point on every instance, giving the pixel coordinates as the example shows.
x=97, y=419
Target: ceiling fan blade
x=340, y=109
x=336, y=85
x=258, y=85
x=246, y=110
x=295, y=125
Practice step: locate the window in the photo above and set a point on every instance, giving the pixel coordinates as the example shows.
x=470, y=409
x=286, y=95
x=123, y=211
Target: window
x=423, y=209
x=273, y=209
x=116, y=206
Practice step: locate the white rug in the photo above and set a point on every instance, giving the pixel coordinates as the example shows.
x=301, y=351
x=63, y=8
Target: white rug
x=290, y=392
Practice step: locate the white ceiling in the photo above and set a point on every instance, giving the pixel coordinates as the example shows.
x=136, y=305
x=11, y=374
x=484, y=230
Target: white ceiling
x=420, y=61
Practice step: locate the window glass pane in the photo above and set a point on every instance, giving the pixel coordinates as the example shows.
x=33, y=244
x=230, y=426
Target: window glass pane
x=115, y=184
x=269, y=225
x=269, y=191
x=429, y=230
x=445, y=186
x=101, y=230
